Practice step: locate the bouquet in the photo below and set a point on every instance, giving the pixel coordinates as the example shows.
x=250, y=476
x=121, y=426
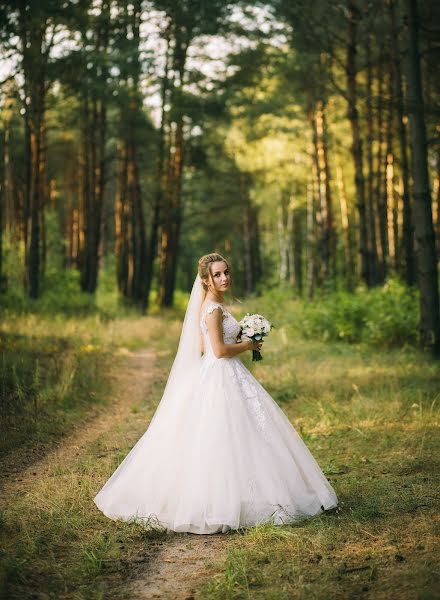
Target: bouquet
x=255, y=327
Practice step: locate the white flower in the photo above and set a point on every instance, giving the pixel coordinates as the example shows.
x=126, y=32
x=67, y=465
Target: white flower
x=255, y=325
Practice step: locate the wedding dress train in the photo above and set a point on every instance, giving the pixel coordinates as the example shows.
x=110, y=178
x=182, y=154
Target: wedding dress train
x=226, y=457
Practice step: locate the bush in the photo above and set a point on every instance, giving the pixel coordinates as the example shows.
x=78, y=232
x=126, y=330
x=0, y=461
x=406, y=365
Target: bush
x=386, y=316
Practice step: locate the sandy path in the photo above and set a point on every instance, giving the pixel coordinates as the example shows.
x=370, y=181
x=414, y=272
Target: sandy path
x=130, y=384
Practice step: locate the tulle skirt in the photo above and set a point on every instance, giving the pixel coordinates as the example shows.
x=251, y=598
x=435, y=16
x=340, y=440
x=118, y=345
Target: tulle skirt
x=224, y=457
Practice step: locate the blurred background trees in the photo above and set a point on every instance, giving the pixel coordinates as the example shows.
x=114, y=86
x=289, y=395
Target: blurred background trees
x=301, y=139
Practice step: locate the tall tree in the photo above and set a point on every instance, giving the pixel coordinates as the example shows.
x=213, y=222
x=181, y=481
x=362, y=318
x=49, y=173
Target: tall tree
x=94, y=92
x=427, y=274
x=28, y=30
x=131, y=245
x=186, y=20
x=353, y=17
x=408, y=230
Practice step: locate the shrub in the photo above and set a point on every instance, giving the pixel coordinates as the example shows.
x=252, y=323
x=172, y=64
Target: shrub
x=386, y=315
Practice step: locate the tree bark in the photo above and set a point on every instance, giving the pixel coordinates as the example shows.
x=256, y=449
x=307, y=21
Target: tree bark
x=172, y=214
x=408, y=230
x=34, y=74
x=160, y=184
x=94, y=139
x=297, y=251
x=172, y=222
x=381, y=194
x=370, y=203
x=310, y=241
x=427, y=274
x=349, y=243
x=357, y=150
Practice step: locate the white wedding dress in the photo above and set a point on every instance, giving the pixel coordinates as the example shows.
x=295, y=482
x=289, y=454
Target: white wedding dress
x=226, y=457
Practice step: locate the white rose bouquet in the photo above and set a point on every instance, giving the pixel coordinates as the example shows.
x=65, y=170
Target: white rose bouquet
x=255, y=327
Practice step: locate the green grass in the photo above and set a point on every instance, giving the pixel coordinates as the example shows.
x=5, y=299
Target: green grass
x=368, y=414
x=55, y=542
x=371, y=419
x=54, y=355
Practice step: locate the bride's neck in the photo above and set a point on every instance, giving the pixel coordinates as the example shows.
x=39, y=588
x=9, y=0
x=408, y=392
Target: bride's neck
x=216, y=297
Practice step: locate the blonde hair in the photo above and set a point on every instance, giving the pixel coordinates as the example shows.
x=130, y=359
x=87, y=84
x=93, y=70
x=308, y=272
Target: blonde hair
x=204, y=266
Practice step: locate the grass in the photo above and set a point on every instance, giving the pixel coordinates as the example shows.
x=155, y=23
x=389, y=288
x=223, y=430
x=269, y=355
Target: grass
x=369, y=416
x=56, y=544
x=54, y=541
x=54, y=362
x=371, y=420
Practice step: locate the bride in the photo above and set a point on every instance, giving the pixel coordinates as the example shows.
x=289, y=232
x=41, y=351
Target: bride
x=219, y=453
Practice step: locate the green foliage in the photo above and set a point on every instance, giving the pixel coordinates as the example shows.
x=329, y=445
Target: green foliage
x=384, y=316
x=60, y=294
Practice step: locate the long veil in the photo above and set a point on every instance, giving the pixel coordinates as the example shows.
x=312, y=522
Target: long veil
x=160, y=436
x=187, y=361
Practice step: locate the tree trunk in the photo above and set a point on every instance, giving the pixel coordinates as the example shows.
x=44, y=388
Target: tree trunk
x=389, y=197
x=3, y=196
x=319, y=194
x=247, y=242
x=34, y=64
x=171, y=223
x=94, y=139
x=357, y=151
x=310, y=241
x=437, y=200
x=371, y=204
x=424, y=231
x=257, y=268
x=297, y=246
x=380, y=193
x=121, y=222
x=408, y=230
x=330, y=231
x=349, y=259
x=129, y=213
x=173, y=219
x=160, y=184
x=248, y=237
x=37, y=166
x=283, y=264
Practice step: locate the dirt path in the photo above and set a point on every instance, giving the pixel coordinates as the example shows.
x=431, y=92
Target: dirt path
x=130, y=384
x=182, y=565
x=183, y=561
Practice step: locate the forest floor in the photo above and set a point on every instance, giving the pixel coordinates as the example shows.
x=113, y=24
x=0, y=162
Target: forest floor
x=370, y=419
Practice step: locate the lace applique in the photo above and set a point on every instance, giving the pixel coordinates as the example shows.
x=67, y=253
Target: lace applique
x=211, y=308
x=231, y=328
x=250, y=393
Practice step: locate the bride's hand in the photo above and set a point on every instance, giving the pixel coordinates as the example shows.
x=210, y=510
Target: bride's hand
x=255, y=345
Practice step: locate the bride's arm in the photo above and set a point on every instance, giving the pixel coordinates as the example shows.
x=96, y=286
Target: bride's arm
x=215, y=332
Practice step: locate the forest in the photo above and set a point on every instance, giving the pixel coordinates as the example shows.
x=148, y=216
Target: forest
x=299, y=139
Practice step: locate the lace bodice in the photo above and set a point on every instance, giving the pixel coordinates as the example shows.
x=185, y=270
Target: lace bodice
x=231, y=328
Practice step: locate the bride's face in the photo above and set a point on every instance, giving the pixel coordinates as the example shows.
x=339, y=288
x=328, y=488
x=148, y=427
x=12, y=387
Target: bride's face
x=220, y=277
